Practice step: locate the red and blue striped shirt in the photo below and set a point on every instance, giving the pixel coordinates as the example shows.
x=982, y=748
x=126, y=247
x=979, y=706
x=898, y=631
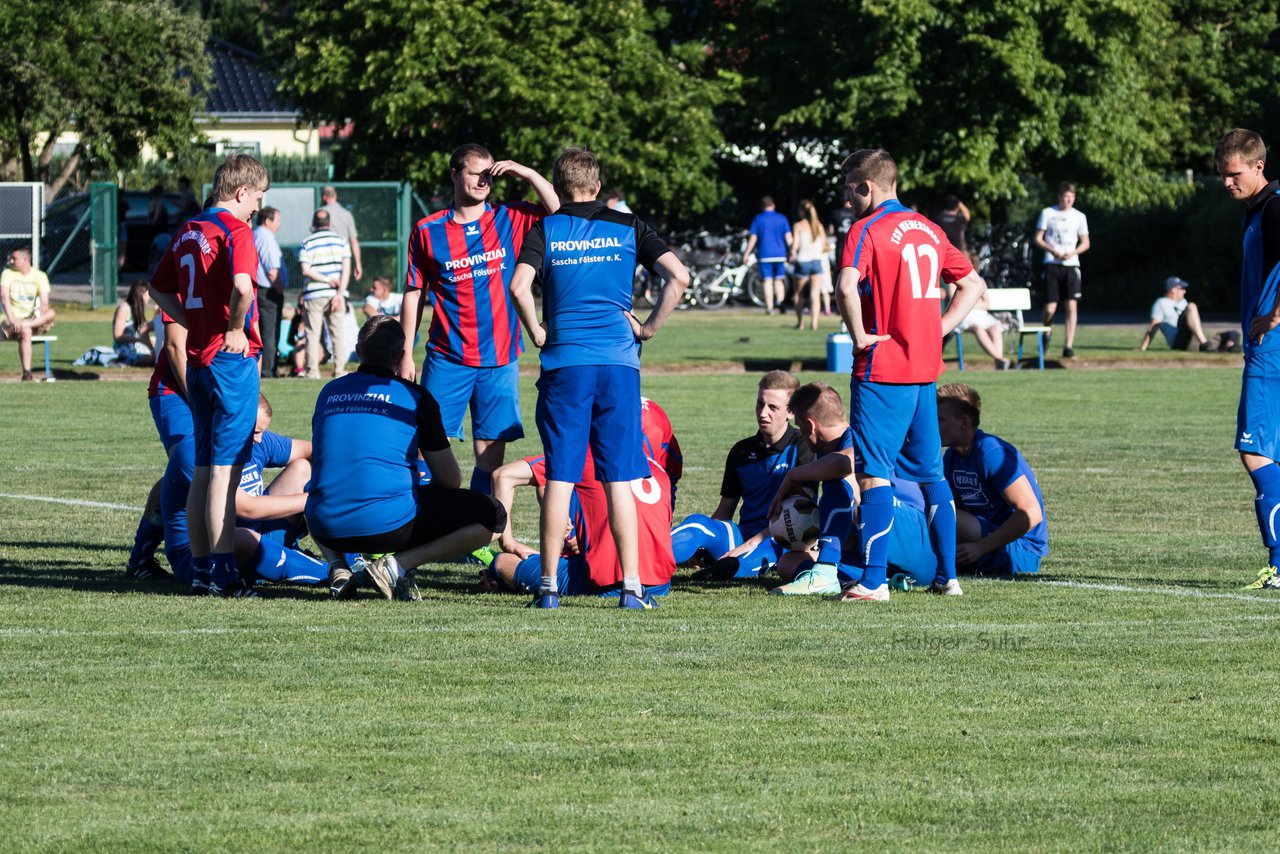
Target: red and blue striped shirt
x=468, y=268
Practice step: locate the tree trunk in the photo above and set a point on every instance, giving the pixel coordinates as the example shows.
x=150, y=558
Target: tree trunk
x=51, y=190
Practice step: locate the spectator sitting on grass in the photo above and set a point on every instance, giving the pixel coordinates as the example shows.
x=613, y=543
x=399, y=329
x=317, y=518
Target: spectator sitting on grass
x=1179, y=322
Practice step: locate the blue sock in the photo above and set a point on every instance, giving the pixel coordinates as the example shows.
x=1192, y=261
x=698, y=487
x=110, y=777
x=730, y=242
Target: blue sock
x=146, y=540
x=274, y=562
x=201, y=571
x=876, y=512
x=835, y=509
x=940, y=509
x=482, y=481
x=1266, y=482
x=223, y=569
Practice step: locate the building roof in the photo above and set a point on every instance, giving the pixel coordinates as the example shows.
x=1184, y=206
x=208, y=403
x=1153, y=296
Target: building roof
x=241, y=89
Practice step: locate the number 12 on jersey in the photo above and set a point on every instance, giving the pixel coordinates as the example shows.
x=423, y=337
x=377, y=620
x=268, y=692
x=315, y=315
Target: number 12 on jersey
x=926, y=286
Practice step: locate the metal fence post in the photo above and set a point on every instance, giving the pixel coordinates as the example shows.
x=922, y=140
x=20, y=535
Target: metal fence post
x=104, y=248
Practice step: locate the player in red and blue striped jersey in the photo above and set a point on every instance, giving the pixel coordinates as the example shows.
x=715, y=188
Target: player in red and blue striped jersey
x=890, y=300
x=465, y=256
x=212, y=263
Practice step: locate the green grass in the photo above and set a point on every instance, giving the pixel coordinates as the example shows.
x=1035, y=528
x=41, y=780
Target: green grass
x=1026, y=715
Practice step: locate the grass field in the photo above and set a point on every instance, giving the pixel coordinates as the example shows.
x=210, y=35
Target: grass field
x=1120, y=701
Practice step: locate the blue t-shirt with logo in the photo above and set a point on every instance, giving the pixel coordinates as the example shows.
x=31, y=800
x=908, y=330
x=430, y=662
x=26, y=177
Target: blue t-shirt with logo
x=978, y=481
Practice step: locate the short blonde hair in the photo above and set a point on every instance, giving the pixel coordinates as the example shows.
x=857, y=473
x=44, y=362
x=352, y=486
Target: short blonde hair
x=239, y=170
x=871, y=164
x=820, y=402
x=778, y=379
x=964, y=399
x=577, y=172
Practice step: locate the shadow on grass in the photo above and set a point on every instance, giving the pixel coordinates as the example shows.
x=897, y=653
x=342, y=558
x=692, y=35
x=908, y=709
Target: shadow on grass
x=765, y=365
x=69, y=575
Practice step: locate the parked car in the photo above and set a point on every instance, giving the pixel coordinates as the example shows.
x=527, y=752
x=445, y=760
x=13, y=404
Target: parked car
x=62, y=222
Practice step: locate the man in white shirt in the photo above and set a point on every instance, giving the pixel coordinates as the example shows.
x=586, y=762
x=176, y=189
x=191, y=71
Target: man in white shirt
x=382, y=300
x=1177, y=320
x=1063, y=233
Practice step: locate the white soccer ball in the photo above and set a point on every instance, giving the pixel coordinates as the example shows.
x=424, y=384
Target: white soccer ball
x=795, y=528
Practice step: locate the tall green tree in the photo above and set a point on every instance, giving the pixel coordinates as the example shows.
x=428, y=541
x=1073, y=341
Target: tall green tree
x=120, y=74
x=976, y=96
x=416, y=78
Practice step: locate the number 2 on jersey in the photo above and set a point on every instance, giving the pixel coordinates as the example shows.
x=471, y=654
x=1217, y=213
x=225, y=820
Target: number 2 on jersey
x=913, y=253
x=188, y=263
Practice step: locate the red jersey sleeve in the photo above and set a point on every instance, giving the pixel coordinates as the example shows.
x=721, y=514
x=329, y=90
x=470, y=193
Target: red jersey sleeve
x=955, y=264
x=858, y=249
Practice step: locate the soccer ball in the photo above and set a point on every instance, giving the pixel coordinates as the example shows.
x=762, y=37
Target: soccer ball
x=795, y=528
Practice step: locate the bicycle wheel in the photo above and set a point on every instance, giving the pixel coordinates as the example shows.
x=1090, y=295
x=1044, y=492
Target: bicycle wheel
x=753, y=286
x=713, y=294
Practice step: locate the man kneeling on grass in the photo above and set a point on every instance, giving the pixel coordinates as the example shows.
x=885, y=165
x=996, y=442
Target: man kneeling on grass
x=1000, y=523
x=367, y=432
x=833, y=564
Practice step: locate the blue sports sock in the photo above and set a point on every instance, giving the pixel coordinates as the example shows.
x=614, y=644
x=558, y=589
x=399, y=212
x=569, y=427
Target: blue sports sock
x=146, y=540
x=223, y=569
x=481, y=481
x=1266, y=482
x=201, y=571
x=835, y=509
x=876, y=512
x=940, y=509
x=274, y=562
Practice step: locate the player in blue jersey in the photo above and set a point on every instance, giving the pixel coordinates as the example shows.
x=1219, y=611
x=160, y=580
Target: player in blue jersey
x=753, y=471
x=833, y=563
x=367, y=434
x=589, y=390
x=1000, y=521
x=464, y=257
x=274, y=510
x=771, y=233
x=257, y=555
x=1241, y=158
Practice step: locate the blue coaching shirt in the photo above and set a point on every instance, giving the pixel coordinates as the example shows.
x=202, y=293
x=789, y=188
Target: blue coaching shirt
x=978, y=481
x=771, y=229
x=1260, y=268
x=586, y=256
x=272, y=451
x=366, y=433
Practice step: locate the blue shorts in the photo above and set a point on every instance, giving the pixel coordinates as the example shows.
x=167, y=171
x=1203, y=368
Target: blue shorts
x=895, y=430
x=1258, y=418
x=492, y=395
x=1016, y=558
x=702, y=532
x=224, y=409
x=773, y=269
x=808, y=268
x=596, y=405
x=172, y=417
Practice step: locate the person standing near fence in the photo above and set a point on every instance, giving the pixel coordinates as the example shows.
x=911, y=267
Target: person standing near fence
x=326, y=272
x=466, y=255
x=1062, y=232
x=771, y=233
x=271, y=275
x=344, y=224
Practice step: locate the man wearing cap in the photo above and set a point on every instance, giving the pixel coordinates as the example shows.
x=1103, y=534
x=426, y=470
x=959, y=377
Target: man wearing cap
x=1177, y=319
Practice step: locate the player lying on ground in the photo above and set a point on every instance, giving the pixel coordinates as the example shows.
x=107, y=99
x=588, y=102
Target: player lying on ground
x=753, y=471
x=589, y=563
x=831, y=566
x=367, y=433
x=1000, y=521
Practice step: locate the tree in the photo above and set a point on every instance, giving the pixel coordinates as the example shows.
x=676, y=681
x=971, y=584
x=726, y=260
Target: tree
x=416, y=79
x=120, y=74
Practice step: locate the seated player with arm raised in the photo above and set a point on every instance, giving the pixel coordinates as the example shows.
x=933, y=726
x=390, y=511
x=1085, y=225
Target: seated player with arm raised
x=753, y=471
x=820, y=417
x=1000, y=521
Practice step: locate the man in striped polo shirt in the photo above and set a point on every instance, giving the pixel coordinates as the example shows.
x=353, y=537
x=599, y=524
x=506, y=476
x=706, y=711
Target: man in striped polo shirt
x=326, y=269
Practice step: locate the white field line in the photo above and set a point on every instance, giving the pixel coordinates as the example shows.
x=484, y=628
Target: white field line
x=1166, y=591
x=74, y=502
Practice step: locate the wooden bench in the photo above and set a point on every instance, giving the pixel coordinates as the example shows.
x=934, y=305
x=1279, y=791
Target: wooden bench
x=1016, y=300
x=45, y=339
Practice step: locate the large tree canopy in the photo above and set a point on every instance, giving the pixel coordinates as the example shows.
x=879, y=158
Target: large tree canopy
x=120, y=74
x=416, y=79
